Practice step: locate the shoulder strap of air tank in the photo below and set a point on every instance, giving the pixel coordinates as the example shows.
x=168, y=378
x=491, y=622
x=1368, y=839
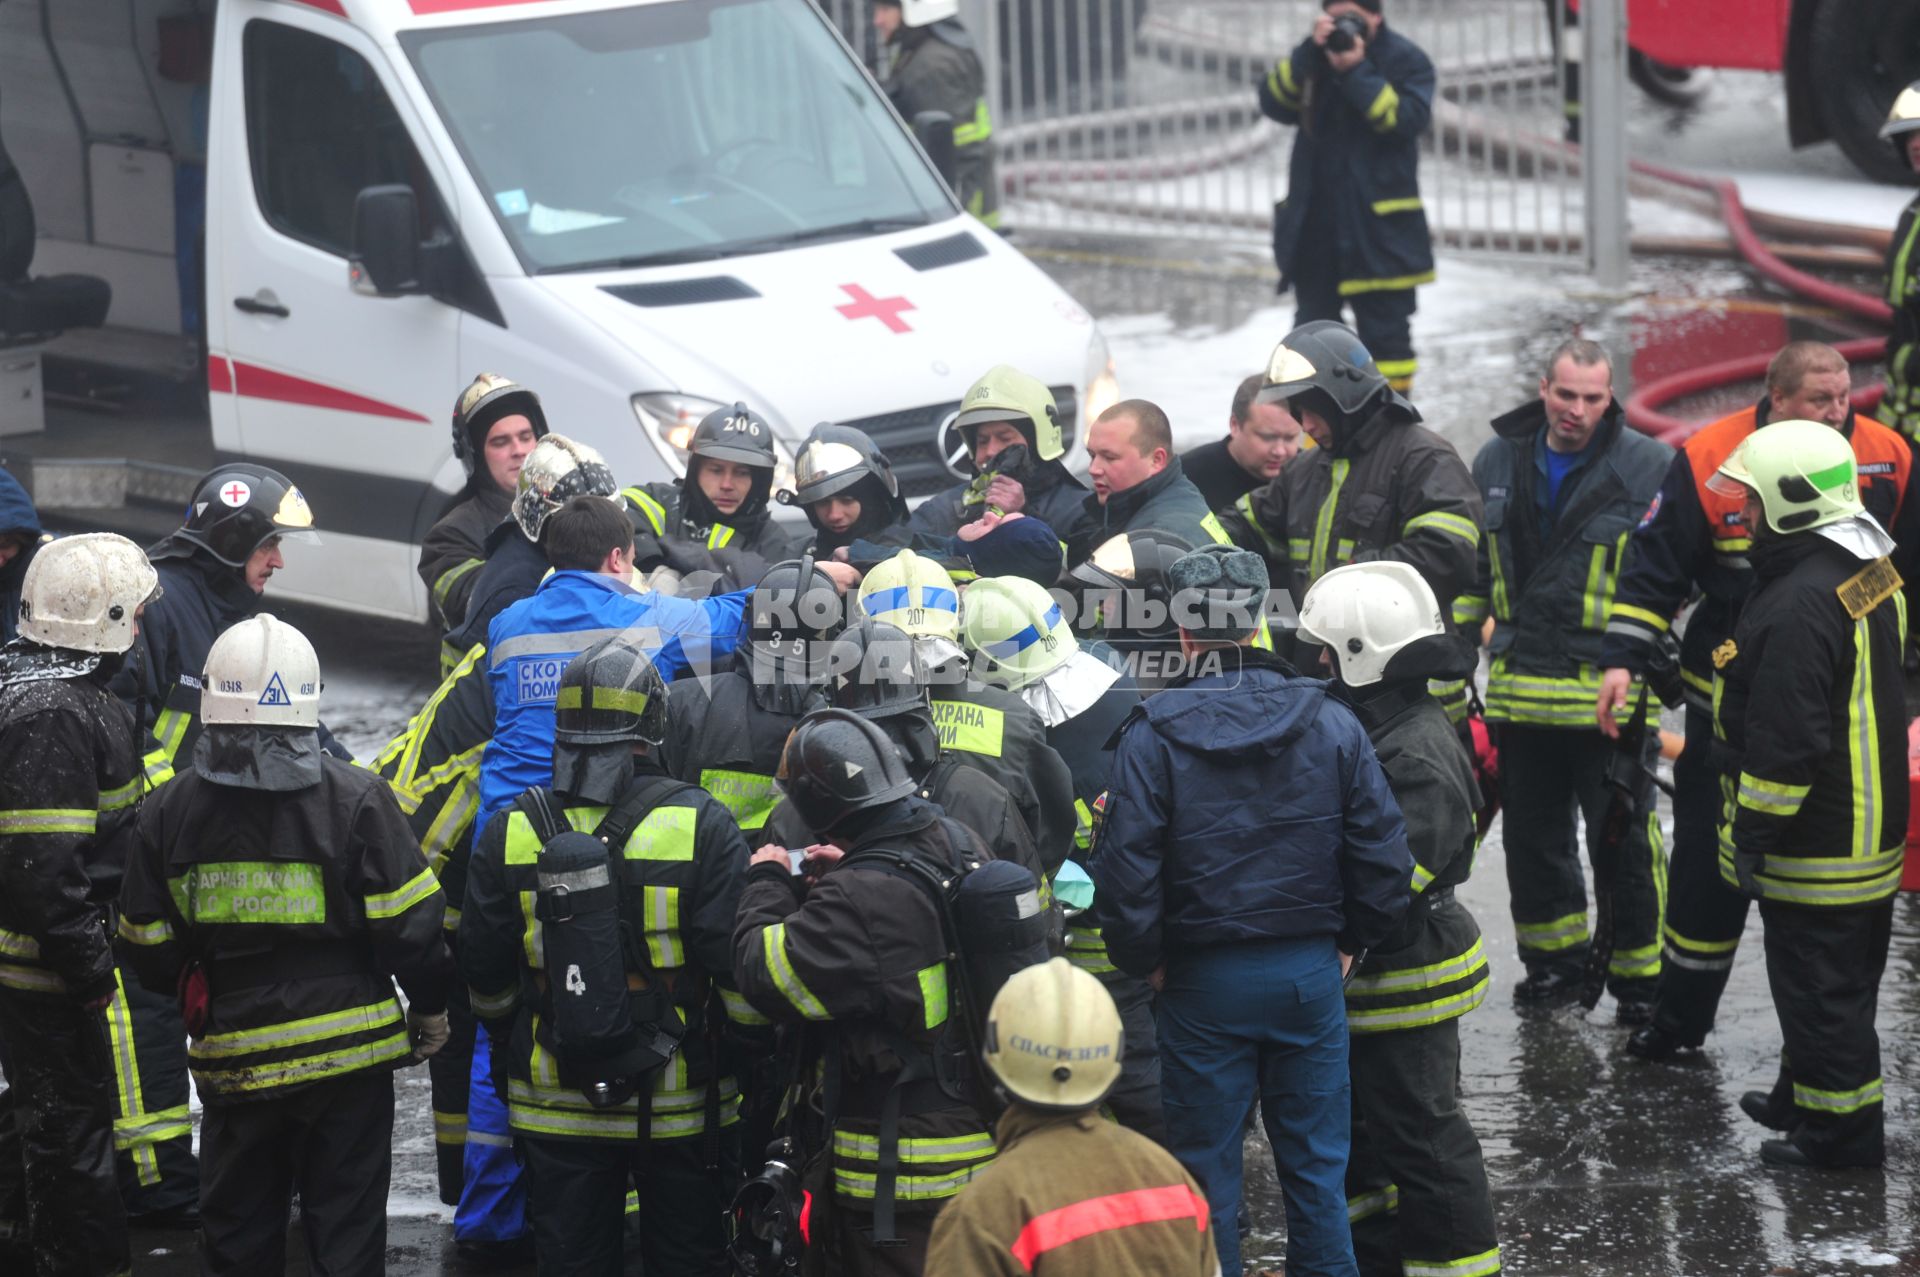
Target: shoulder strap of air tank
x=538, y=806
x=640, y=799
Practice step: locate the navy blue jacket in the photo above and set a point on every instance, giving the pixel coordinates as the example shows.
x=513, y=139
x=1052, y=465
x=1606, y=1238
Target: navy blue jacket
x=1246, y=804
x=16, y=515
x=513, y=570
x=1355, y=172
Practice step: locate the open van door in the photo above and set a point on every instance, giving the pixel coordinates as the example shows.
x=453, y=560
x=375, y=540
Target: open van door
x=305, y=119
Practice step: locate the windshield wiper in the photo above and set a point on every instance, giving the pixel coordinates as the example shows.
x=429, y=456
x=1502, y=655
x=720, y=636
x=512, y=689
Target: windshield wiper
x=843, y=230
x=671, y=257
x=740, y=248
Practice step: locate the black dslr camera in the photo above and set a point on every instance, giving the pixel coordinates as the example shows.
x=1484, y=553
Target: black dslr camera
x=1348, y=30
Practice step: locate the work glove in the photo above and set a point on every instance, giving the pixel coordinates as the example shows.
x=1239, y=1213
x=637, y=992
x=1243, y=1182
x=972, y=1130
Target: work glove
x=1746, y=865
x=426, y=1033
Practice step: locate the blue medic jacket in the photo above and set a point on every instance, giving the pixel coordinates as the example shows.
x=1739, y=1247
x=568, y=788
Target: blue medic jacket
x=529, y=645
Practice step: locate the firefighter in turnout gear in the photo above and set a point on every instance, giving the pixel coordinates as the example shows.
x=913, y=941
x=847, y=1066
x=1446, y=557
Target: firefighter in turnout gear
x=1352, y=230
x=1417, y=1194
x=717, y=522
x=1693, y=538
x=987, y=728
x=1020, y=640
x=1053, y=1045
x=1004, y=410
x=726, y=732
x=1564, y=482
x=496, y=425
x=1902, y=403
x=647, y=1096
x=874, y=670
x=1125, y=599
x=434, y=768
x=847, y=489
x=1377, y=485
x=857, y=953
x=213, y=571
x=1809, y=720
x=931, y=65
x=586, y=599
x=279, y=891
x=556, y=471
x=70, y=780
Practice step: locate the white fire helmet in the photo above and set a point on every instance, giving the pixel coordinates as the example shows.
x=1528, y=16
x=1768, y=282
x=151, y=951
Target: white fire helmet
x=924, y=13
x=81, y=593
x=1366, y=612
x=261, y=673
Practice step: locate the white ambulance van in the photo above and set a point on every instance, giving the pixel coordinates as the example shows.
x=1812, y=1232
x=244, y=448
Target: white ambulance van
x=638, y=208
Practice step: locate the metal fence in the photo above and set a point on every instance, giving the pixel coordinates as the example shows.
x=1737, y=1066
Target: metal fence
x=1139, y=116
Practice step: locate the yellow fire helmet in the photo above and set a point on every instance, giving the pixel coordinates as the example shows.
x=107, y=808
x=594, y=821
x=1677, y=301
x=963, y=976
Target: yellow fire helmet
x=914, y=594
x=1014, y=631
x=1007, y=394
x=1804, y=472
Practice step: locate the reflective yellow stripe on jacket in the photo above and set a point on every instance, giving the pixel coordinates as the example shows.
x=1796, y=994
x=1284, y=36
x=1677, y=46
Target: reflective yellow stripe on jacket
x=136, y=1130
x=293, y=1052
x=1380, y=1002
x=552, y=1111
x=931, y=1168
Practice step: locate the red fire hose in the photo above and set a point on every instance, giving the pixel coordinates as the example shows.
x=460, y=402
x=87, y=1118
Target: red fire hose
x=1643, y=406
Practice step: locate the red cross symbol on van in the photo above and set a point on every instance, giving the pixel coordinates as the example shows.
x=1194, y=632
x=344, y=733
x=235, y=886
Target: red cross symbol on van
x=866, y=306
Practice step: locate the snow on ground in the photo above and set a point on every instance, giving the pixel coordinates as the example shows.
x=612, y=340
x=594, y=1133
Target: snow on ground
x=1469, y=327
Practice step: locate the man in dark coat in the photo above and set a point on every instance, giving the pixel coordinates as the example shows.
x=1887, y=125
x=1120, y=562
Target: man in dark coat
x=1352, y=230
x=1252, y=849
x=496, y=424
x=1138, y=483
x=1261, y=437
x=931, y=65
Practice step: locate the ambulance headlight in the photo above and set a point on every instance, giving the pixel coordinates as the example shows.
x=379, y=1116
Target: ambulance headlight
x=669, y=420
x=1102, y=386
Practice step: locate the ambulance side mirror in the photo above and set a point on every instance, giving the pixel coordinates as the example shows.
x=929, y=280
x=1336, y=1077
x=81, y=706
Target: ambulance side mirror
x=934, y=131
x=385, y=257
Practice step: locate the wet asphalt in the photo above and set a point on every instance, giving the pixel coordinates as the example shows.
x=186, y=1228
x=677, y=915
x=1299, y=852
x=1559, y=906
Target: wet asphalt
x=1600, y=1163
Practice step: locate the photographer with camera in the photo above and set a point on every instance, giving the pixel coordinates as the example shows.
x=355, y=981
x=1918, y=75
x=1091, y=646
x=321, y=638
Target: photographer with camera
x=1352, y=230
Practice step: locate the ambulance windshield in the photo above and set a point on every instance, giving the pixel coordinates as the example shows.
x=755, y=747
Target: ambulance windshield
x=689, y=130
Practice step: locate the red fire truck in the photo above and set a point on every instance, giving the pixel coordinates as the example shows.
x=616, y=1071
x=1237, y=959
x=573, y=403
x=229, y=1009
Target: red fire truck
x=1845, y=60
